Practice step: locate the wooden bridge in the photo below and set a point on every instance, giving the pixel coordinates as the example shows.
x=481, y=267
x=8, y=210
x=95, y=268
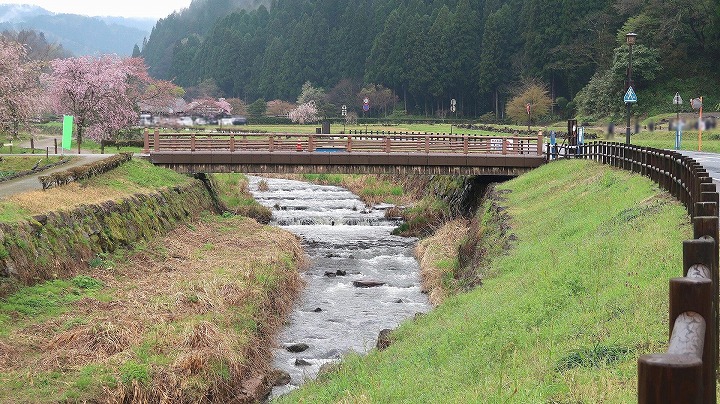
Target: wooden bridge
x=403, y=153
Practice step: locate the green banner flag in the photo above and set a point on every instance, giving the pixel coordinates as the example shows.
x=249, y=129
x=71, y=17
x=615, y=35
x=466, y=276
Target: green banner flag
x=67, y=131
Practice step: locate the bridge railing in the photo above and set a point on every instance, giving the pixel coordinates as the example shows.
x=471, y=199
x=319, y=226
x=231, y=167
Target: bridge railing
x=686, y=373
x=349, y=143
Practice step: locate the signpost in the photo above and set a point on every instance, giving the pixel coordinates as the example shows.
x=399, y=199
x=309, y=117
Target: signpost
x=343, y=111
x=527, y=108
x=629, y=98
x=452, y=105
x=697, y=103
x=67, y=131
x=677, y=100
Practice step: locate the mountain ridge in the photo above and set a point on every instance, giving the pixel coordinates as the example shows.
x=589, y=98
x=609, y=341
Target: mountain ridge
x=109, y=34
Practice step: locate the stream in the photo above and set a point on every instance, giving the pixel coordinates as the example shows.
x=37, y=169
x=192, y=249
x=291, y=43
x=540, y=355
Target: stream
x=347, y=243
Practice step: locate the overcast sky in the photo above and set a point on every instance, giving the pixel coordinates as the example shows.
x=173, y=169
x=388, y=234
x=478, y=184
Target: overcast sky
x=124, y=8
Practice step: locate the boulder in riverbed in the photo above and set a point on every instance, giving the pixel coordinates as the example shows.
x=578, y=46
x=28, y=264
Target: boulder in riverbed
x=366, y=283
x=302, y=362
x=383, y=340
x=295, y=348
x=278, y=377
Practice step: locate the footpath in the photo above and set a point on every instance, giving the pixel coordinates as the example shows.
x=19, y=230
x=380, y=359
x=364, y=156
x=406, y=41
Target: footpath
x=32, y=182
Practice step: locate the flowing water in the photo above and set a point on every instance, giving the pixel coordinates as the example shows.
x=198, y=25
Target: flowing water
x=341, y=236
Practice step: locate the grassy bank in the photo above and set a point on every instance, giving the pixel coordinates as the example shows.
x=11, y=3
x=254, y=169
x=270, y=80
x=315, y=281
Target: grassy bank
x=185, y=318
x=135, y=176
x=561, y=317
x=235, y=195
x=12, y=165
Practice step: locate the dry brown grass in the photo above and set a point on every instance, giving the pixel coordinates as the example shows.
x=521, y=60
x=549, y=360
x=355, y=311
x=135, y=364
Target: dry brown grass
x=193, y=308
x=432, y=252
x=66, y=197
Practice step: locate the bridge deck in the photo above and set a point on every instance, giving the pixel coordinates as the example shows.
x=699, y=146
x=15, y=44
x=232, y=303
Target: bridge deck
x=338, y=153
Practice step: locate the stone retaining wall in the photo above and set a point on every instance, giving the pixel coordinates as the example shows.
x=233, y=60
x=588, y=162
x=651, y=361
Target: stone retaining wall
x=56, y=244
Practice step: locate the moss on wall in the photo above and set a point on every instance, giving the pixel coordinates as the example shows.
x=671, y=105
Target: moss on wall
x=55, y=245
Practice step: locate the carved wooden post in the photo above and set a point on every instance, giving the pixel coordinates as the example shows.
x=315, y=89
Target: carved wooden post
x=349, y=144
x=540, y=141
x=156, y=140
x=694, y=294
x=465, y=144
x=427, y=144
x=271, y=143
x=387, y=144
x=192, y=142
x=664, y=378
x=232, y=143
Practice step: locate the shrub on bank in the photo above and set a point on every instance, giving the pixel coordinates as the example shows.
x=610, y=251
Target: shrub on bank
x=84, y=171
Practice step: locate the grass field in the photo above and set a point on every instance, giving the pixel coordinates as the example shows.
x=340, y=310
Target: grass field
x=570, y=307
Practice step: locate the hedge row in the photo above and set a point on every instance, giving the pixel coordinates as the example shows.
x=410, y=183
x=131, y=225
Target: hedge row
x=84, y=171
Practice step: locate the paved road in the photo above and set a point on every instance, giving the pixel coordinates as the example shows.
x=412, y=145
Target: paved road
x=32, y=182
x=711, y=162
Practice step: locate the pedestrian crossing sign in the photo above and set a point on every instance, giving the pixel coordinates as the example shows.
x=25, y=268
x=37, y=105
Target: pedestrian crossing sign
x=630, y=96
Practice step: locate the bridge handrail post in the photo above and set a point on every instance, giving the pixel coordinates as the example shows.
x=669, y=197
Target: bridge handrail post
x=540, y=140
x=232, y=142
x=192, y=142
x=465, y=144
x=504, y=146
x=271, y=143
x=146, y=141
x=156, y=140
x=386, y=140
x=349, y=144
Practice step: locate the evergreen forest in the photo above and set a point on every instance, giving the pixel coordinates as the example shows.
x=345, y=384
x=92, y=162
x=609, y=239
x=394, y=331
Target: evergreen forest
x=479, y=52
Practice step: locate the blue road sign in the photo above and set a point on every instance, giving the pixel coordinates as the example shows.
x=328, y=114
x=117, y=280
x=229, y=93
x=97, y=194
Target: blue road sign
x=630, y=96
x=366, y=107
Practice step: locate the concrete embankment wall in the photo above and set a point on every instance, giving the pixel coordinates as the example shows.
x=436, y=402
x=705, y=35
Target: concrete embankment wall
x=56, y=244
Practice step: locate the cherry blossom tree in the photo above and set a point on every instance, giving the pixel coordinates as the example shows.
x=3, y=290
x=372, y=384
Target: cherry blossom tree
x=209, y=107
x=304, y=113
x=279, y=108
x=19, y=87
x=103, y=93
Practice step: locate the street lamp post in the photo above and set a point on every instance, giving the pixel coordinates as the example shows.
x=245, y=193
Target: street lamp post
x=630, y=37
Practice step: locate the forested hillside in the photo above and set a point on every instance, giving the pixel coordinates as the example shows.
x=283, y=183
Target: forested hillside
x=428, y=51
x=180, y=30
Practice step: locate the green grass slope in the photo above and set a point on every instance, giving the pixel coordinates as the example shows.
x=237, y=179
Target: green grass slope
x=580, y=295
